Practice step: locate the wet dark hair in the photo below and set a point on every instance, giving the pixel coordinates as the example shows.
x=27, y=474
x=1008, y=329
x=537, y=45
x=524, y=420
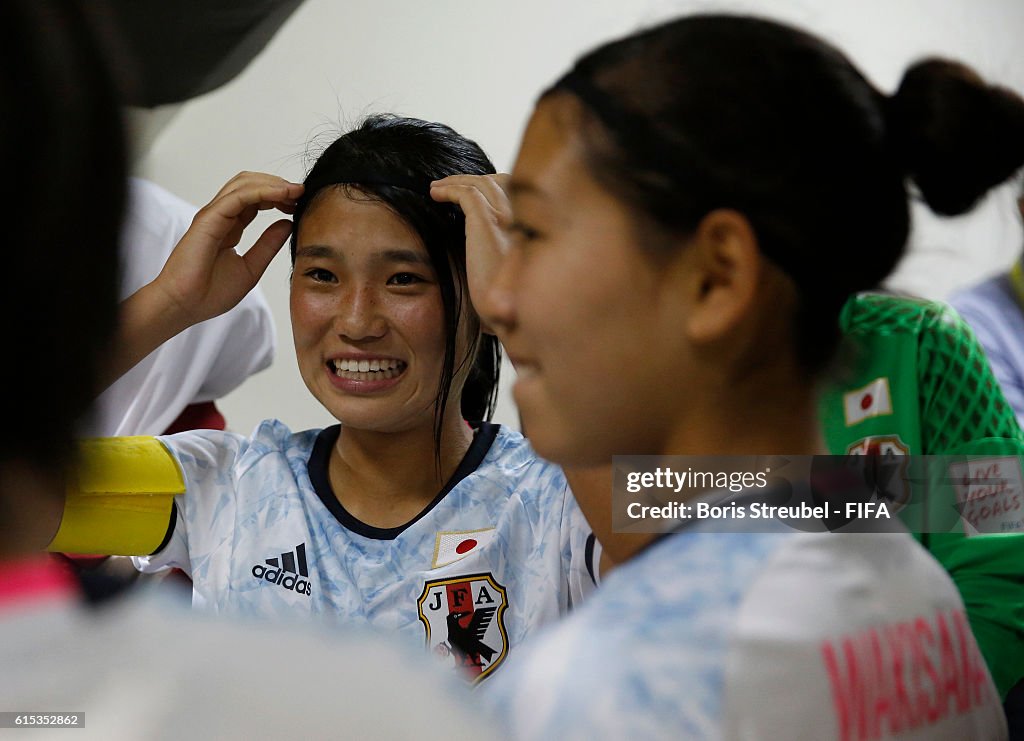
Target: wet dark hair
x=58, y=303
x=393, y=159
x=719, y=111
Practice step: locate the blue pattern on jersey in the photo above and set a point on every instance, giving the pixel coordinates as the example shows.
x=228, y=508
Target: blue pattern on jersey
x=249, y=500
x=613, y=670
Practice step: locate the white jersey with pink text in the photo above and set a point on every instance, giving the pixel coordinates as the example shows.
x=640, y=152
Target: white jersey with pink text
x=734, y=634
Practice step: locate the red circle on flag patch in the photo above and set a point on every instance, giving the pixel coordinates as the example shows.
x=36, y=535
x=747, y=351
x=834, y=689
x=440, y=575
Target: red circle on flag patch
x=465, y=546
x=867, y=401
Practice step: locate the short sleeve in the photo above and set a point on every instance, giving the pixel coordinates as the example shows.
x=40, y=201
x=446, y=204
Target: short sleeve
x=206, y=511
x=961, y=401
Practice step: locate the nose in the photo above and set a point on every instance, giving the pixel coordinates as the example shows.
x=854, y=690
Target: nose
x=359, y=316
x=497, y=306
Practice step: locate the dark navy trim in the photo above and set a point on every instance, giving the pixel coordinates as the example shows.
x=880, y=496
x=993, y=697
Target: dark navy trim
x=588, y=557
x=170, y=528
x=319, y=466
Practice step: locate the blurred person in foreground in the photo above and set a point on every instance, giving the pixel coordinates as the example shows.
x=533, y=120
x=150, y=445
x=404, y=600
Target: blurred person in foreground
x=137, y=667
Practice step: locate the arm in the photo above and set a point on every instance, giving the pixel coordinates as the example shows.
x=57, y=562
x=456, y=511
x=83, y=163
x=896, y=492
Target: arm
x=964, y=413
x=204, y=276
x=121, y=499
x=961, y=401
x=202, y=363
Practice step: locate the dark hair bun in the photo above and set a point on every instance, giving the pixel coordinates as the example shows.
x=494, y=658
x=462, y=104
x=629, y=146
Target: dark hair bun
x=957, y=135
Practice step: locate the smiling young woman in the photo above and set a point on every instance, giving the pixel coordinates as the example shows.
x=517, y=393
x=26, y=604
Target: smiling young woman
x=413, y=514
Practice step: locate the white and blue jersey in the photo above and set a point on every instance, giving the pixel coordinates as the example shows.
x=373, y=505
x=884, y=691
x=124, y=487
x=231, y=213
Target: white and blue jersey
x=759, y=635
x=501, y=550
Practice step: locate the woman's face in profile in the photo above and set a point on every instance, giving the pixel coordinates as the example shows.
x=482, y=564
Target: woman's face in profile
x=583, y=311
x=367, y=315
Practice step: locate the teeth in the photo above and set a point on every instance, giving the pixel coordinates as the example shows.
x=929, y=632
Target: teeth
x=368, y=370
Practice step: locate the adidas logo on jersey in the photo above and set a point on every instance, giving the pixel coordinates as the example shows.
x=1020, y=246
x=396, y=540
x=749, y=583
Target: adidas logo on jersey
x=286, y=570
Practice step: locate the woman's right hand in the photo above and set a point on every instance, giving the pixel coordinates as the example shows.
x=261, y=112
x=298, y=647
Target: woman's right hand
x=204, y=276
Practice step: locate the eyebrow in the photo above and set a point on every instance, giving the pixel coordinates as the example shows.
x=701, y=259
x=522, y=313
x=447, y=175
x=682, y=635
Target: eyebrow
x=403, y=256
x=315, y=251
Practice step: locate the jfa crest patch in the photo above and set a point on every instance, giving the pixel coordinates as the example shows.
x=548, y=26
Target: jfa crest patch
x=889, y=474
x=464, y=617
x=879, y=445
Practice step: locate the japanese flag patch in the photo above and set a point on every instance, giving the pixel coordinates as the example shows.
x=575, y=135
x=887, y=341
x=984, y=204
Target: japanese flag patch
x=868, y=401
x=455, y=545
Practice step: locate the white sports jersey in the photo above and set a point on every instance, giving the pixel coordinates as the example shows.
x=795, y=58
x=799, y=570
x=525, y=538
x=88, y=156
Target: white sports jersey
x=502, y=550
x=759, y=635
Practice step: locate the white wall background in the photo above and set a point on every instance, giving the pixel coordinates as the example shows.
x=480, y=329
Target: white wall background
x=477, y=65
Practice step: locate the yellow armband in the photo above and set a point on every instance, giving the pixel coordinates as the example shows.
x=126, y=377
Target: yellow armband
x=121, y=498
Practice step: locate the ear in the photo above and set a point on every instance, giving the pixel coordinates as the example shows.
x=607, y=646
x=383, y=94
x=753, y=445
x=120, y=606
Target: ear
x=726, y=265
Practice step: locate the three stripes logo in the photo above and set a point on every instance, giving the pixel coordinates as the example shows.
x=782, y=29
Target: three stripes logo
x=286, y=570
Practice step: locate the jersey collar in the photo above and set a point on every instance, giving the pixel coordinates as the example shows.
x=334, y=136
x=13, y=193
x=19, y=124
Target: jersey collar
x=318, y=467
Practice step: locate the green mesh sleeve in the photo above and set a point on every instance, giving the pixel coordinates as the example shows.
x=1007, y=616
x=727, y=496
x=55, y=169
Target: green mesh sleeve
x=960, y=399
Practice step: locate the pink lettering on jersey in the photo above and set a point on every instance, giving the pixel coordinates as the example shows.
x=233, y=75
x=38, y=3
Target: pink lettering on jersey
x=898, y=677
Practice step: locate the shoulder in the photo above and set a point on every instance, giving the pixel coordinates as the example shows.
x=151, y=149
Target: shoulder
x=645, y=653
x=885, y=314
x=721, y=564
x=273, y=434
x=201, y=448
x=509, y=449
x=512, y=462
